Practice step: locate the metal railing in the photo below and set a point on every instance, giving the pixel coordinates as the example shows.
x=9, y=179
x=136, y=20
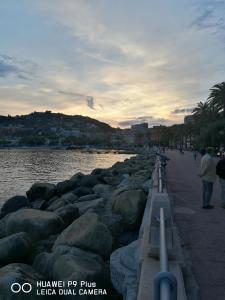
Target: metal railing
x=165, y=283
x=160, y=178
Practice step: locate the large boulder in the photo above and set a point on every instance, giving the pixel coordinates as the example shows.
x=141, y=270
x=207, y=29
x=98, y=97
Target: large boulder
x=65, y=199
x=112, y=180
x=88, y=197
x=103, y=190
x=39, y=204
x=15, y=203
x=85, y=206
x=68, y=213
x=41, y=190
x=73, y=264
x=136, y=180
x=87, y=233
x=130, y=204
x=77, y=178
x=113, y=222
x=40, y=247
x=65, y=186
x=14, y=248
x=19, y=273
x=89, y=180
x=38, y=224
x=124, y=269
x=82, y=191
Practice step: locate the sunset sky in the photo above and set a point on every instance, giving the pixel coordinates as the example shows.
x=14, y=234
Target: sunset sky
x=119, y=61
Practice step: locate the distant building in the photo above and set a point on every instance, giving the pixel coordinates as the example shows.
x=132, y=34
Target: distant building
x=189, y=119
x=139, y=127
x=128, y=137
x=141, y=134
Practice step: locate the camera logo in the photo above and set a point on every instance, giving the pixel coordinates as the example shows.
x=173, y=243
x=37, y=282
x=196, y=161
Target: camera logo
x=25, y=287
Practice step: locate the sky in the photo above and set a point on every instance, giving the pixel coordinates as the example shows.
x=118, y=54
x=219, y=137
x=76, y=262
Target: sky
x=122, y=62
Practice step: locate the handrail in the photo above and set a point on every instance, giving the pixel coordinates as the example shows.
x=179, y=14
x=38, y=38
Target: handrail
x=160, y=179
x=165, y=283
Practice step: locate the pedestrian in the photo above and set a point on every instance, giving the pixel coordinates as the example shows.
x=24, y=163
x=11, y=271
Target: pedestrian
x=208, y=175
x=195, y=154
x=220, y=171
x=202, y=151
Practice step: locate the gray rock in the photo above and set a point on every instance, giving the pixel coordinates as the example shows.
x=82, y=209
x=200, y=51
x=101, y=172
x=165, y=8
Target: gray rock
x=15, y=203
x=123, y=269
x=121, y=168
x=38, y=224
x=130, y=205
x=85, y=206
x=3, y=223
x=135, y=181
x=88, y=197
x=43, y=263
x=147, y=185
x=14, y=248
x=68, y=213
x=65, y=186
x=68, y=198
x=89, y=180
x=103, y=190
x=87, y=233
x=40, y=247
x=112, y=180
x=39, y=204
x=52, y=200
x=41, y=190
x=97, y=171
x=77, y=178
x=19, y=273
x=100, y=173
x=73, y=264
x=114, y=223
x=82, y=191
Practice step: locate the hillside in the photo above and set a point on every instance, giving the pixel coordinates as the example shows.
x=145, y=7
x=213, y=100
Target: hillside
x=47, y=128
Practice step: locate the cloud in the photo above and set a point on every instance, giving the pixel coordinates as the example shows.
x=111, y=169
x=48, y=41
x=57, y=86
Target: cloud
x=90, y=102
x=7, y=69
x=147, y=61
x=22, y=69
x=210, y=17
x=152, y=121
x=182, y=111
x=77, y=96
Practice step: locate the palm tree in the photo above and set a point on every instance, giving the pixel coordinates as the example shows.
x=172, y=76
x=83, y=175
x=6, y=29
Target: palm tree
x=202, y=110
x=217, y=97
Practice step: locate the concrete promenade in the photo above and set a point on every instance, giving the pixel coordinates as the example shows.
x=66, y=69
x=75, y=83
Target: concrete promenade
x=202, y=231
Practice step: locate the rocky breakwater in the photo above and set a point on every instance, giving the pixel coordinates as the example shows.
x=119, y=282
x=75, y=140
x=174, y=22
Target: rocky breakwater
x=67, y=232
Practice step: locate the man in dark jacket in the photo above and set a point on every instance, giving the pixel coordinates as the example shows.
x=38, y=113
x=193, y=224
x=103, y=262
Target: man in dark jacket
x=220, y=171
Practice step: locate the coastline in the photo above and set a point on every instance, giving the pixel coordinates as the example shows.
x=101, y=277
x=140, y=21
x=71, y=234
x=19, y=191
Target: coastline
x=87, y=148
x=81, y=220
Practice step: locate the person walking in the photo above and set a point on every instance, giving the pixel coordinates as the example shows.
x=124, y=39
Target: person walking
x=195, y=154
x=208, y=175
x=220, y=172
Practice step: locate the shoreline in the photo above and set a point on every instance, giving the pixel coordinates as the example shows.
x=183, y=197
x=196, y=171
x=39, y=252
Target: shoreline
x=90, y=149
x=107, y=203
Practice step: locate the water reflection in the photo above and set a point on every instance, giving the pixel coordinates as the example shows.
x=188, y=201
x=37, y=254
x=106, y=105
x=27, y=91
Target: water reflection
x=19, y=168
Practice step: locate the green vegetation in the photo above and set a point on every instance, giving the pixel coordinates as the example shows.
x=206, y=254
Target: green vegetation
x=53, y=129
x=206, y=128
x=32, y=141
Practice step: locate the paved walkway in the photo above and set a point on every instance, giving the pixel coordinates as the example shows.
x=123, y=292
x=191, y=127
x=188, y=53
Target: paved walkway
x=202, y=231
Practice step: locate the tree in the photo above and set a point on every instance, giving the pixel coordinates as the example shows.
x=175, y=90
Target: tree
x=201, y=111
x=217, y=97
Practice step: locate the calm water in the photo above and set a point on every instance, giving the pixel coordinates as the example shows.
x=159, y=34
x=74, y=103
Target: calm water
x=20, y=168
